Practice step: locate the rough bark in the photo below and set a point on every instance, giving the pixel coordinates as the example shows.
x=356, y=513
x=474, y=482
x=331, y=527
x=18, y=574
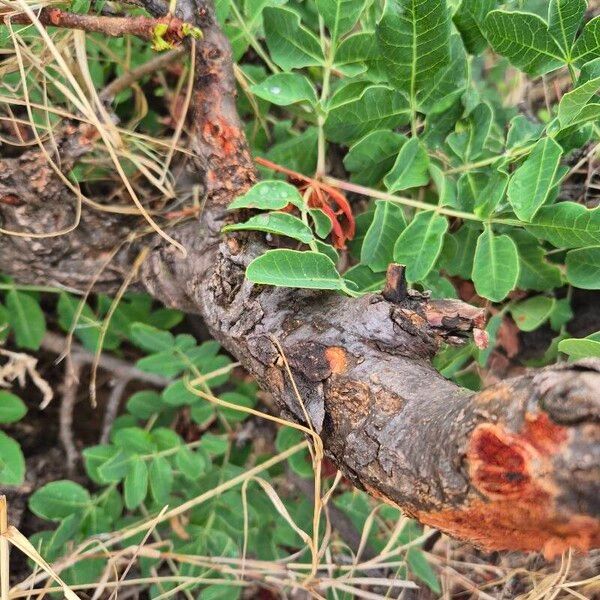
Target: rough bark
x=513, y=467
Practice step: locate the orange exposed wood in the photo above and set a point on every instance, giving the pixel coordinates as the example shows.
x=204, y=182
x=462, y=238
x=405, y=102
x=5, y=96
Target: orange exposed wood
x=336, y=357
x=517, y=509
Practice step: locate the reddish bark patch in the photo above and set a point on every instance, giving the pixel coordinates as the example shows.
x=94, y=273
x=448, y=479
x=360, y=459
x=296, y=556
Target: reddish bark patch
x=503, y=525
x=11, y=200
x=515, y=465
x=222, y=135
x=513, y=472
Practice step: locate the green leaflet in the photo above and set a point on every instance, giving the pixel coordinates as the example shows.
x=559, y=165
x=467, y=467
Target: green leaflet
x=377, y=107
x=573, y=103
x=524, y=39
x=531, y=183
x=363, y=222
x=449, y=80
x=364, y=280
x=589, y=71
x=12, y=408
x=492, y=194
x=414, y=38
x=298, y=152
x=420, y=244
x=420, y=567
x=564, y=18
x=340, y=16
x=589, y=114
x=328, y=250
x=411, y=168
x=469, y=140
x=438, y=286
x=533, y=312
x=583, y=268
x=469, y=20
x=292, y=46
x=378, y=246
x=150, y=338
x=369, y=159
x=470, y=189
x=535, y=272
x=290, y=268
x=135, y=486
x=561, y=314
x=445, y=186
x=12, y=461
x=459, y=251
x=356, y=53
x=284, y=89
x=321, y=221
x=193, y=464
x=581, y=348
x=144, y=404
x=88, y=326
x=522, y=132
x=495, y=266
x=567, y=225
x=26, y=319
x=276, y=223
x=59, y=499
x=587, y=46
x=269, y=195
x=160, y=480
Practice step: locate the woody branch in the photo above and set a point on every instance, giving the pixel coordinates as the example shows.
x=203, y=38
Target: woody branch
x=512, y=467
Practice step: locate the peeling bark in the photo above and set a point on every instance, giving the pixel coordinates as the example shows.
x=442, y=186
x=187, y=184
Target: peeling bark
x=515, y=466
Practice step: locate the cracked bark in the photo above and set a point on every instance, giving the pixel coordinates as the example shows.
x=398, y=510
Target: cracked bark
x=515, y=466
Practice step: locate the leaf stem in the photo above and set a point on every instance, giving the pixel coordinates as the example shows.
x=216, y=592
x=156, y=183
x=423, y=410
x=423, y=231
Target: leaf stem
x=329, y=52
x=252, y=39
x=490, y=161
x=373, y=193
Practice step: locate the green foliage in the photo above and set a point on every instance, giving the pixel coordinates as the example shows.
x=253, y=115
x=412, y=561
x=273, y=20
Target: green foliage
x=465, y=187
x=12, y=461
x=581, y=348
x=495, y=265
x=277, y=223
x=291, y=268
x=26, y=319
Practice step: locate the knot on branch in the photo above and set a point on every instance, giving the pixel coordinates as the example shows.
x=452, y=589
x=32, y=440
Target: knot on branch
x=574, y=398
x=450, y=320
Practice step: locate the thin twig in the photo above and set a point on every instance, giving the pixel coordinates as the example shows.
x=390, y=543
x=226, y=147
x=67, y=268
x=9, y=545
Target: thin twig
x=70, y=385
x=112, y=408
x=121, y=369
x=129, y=77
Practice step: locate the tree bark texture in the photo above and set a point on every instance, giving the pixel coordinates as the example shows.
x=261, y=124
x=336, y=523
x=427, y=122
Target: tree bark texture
x=516, y=466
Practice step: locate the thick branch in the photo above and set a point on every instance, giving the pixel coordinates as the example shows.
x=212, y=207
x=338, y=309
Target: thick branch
x=515, y=466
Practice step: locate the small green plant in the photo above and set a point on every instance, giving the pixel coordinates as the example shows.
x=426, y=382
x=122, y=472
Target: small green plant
x=12, y=461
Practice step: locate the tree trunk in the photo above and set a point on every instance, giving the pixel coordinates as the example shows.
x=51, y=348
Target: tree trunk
x=513, y=467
